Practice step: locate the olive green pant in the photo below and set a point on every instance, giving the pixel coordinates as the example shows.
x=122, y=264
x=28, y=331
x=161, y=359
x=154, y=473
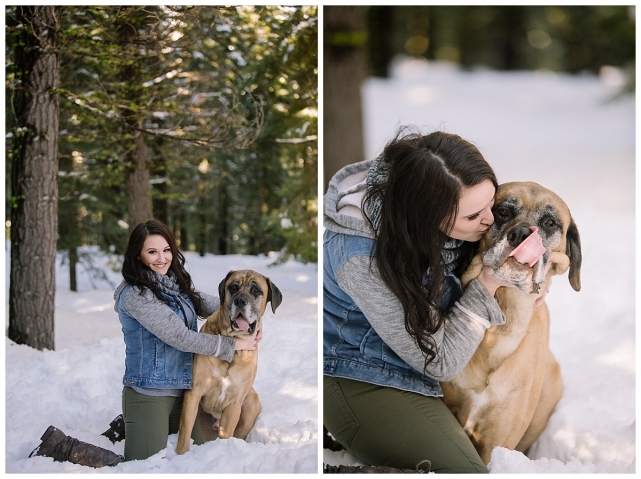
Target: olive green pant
x=383, y=426
x=149, y=420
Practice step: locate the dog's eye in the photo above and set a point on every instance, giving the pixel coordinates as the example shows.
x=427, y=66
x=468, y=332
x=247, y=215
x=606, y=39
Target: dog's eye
x=233, y=288
x=550, y=223
x=502, y=212
x=256, y=290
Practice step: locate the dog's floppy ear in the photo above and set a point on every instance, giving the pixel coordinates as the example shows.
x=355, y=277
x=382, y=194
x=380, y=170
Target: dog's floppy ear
x=274, y=295
x=221, y=287
x=573, y=250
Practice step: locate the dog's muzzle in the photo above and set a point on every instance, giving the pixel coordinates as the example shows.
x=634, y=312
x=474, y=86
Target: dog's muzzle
x=238, y=320
x=527, y=277
x=241, y=324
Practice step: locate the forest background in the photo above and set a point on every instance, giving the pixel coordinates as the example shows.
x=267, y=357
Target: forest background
x=362, y=42
x=202, y=117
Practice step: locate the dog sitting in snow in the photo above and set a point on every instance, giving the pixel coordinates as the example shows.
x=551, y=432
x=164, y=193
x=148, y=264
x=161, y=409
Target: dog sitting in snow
x=507, y=391
x=222, y=395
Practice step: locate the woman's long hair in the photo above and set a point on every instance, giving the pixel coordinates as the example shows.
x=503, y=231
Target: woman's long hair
x=136, y=272
x=426, y=177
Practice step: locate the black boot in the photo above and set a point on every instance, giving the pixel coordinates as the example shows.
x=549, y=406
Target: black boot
x=60, y=447
x=116, y=431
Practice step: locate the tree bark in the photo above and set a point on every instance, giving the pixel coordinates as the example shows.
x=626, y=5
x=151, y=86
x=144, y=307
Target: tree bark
x=34, y=214
x=344, y=72
x=137, y=170
x=137, y=183
x=223, y=225
x=73, y=268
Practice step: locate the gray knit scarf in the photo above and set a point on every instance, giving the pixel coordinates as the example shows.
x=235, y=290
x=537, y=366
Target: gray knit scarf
x=377, y=175
x=166, y=283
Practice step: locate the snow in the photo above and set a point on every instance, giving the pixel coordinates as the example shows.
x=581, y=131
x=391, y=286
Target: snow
x=78, y=386
x=571, y=135
x=565, y=132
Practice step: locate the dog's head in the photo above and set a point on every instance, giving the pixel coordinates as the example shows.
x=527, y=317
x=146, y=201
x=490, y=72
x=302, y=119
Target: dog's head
x=244, y=296
x=517, y=207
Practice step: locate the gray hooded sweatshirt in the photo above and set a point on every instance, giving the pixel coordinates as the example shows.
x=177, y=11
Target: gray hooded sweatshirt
x=159, y=319
x=465, y=323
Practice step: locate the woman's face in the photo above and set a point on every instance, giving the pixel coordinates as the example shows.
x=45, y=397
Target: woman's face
x=156, y=254
x=474, y=212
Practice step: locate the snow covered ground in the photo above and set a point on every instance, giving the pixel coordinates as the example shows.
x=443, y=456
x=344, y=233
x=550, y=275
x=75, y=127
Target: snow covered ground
x=568, y=134
x=562, y=131
x=78, y=386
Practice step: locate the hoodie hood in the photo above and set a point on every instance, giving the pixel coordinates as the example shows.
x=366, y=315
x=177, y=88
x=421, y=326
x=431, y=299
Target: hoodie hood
x=342, y=211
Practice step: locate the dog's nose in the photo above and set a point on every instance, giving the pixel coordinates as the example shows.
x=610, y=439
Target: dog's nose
x=517, y=234
x=240, y=301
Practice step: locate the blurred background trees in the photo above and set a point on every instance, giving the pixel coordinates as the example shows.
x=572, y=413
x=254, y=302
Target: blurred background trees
x=202, y=117
x=572, y=39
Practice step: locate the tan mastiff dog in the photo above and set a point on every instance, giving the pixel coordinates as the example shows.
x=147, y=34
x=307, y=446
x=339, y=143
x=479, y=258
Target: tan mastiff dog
x=222, y=395
x=506, y=393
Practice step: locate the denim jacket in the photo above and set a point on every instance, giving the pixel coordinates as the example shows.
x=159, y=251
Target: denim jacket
x=351, y=347
x=150, y=362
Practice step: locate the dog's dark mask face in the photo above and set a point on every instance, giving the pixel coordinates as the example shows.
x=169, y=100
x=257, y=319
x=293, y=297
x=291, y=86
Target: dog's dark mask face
x=517, y=207
x=242, y=294
x=244, y=305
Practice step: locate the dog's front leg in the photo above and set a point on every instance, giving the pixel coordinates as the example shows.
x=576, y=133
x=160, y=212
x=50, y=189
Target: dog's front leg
x=187, y=419
x=228, y=420
x=208, y=423
x=250, y=410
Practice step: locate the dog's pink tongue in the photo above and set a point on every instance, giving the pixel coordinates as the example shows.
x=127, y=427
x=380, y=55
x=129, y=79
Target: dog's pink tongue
x=531, y=249
x=242, y=323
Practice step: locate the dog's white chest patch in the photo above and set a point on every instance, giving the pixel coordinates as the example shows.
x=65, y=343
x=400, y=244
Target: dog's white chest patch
x=224, y=389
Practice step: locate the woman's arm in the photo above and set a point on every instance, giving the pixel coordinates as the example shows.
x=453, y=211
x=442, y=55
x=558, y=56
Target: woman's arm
x=209, y=304
x=162, y=322
x=462, y=331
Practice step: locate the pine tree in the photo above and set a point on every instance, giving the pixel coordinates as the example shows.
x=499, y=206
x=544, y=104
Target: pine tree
x=34, y=74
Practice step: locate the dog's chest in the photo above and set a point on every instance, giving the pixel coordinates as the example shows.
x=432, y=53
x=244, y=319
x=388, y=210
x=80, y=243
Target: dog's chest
x=219, y=396
x=478, y=404
x=228, y=384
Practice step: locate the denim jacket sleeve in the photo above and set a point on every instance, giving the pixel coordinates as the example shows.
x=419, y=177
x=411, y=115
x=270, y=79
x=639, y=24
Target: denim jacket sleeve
x=456, y=341
x=161, y=321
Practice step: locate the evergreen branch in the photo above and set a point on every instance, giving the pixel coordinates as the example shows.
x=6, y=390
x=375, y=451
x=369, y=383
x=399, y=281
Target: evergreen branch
x=297, y=140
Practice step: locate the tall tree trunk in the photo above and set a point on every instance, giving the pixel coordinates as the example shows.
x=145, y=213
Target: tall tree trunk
x=34, y=214
x=223, y=215
x=69, y=230
x=137, y=174
x=380, y=19
x=137, y=183
x=344, y=72
x=265, y=209
x=73, y=268
x=160, y=205
x=202, y=234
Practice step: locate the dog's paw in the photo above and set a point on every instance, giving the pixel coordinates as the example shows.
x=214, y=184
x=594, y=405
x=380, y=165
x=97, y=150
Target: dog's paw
x=560, y=262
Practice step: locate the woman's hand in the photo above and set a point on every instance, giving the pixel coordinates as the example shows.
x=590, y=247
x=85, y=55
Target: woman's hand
x=489, y=280
x=248, y=343
x=259, y=332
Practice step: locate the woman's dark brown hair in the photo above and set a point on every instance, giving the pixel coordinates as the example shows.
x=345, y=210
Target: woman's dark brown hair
x=426, y=176
x=136, y=272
